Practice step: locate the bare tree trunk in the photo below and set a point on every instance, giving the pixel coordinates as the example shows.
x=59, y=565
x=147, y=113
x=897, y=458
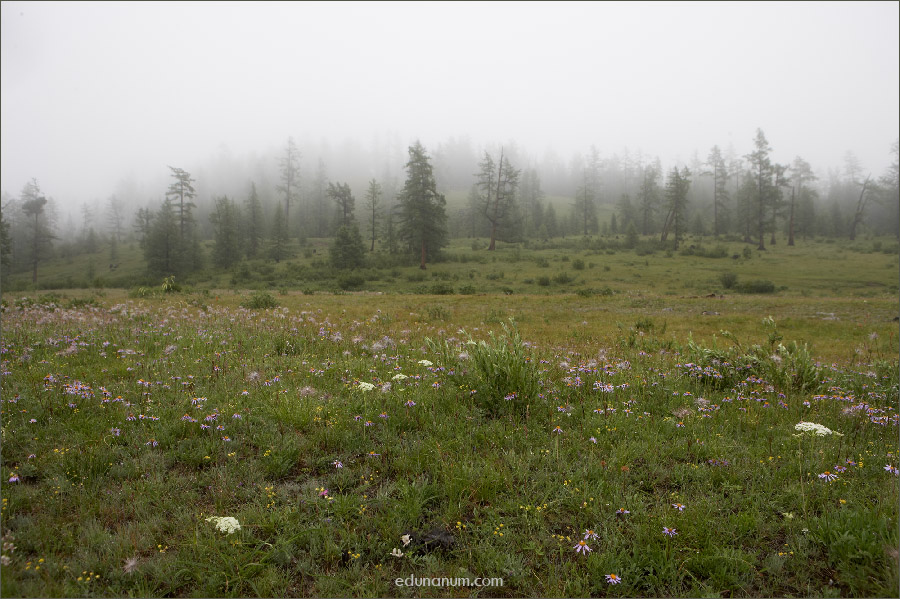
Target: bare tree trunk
x=860, y=209
x=493, y=244
x=791, y=224
x=422, y=265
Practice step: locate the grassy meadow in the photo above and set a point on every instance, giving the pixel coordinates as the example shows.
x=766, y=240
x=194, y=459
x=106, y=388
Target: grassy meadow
x=578, y=421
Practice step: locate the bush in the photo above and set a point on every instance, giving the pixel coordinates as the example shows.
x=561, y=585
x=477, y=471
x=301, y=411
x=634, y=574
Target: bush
x=467, y=290
x=543, y=281
x=349, y=282
x=442, y=289
x=260, y=300
x=728, y=280
x=759, y=286
x=578, y=264
x=563, y=278
x=508, y=380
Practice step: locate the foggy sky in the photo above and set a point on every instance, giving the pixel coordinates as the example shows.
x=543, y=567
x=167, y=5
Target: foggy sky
x=96, y=92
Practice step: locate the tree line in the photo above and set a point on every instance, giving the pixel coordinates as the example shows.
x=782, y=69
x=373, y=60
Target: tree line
x=748, y=196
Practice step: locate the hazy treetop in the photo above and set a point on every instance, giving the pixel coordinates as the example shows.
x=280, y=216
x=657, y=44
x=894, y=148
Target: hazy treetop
x=92, y=92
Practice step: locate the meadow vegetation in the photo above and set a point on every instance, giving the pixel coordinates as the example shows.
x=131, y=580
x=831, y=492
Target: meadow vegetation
x=541, y=415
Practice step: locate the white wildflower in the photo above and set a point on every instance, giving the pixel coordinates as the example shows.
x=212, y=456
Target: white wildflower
x=366, y=386
x=406, y=539
x=396, y=552
x=816, y=429
x=399, y=377
x=425, y=363
x=226, y=524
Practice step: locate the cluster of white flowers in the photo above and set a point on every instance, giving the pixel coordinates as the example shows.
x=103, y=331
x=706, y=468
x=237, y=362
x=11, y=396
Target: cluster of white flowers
x=812, y=427
x=226, y=524
x=366, y=386
x=399, y=377
x=425, y=363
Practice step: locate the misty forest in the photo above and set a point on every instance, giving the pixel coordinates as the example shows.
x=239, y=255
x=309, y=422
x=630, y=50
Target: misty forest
x=360, y=212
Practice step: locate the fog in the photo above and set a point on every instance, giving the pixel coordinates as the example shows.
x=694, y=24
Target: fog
x=100, y=97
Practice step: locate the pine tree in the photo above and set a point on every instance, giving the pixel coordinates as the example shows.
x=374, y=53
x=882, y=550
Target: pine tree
x=226, y=222
x=347, y=250
x=162, y=246
x=290, y=180
x=719, y=172
x=763, y=171
x=41, y=235
x=373, y=210
x=422, y=214
x=278, y=242
x=253, y=223
x=182, y=191
x=677, y=187
x=497, y=197
x=340, y=194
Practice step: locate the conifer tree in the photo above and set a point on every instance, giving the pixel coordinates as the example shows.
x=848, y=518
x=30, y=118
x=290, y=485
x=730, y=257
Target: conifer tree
x=422, y=218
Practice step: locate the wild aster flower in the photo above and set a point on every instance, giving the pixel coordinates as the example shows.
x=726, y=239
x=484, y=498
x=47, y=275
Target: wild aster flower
x=245, y=392
x=383, y=415
x=203, y=427
x=678, y=507
x=226, y=438
x=410, y=403
x=851, y=462
x=622, y=511
x=226, y=524
x=582, y=547
x=828, y=476
x=323, y=492
x=116, y=432
x=679, y=425
x=337, y=464
x=893, y=470
x=32, y=421
x=669, y=531
x=14, y=478
x=840, y=469
x=357, y=417
x=372, y=454
x=593, y=440
x=613, y=579
x=557, y=430
x=236, y=417
x=369, y=423
x=590, y=534
x=151, y=443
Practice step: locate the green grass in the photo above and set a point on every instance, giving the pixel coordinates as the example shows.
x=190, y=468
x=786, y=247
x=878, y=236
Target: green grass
x=515, y=496
x=597, y=267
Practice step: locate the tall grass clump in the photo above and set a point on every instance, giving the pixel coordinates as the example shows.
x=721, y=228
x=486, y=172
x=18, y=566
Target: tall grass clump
x=507, y=378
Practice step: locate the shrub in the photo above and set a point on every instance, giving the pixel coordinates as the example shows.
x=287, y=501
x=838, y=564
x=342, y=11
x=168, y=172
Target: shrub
x=543, y=281
x=442, y=289
x=349, y=282
x=467, y=290
x=578, y=264
x=759, y=286
x=260, y=300
x=563, y=278
x=728, y=280
x=508, y=380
